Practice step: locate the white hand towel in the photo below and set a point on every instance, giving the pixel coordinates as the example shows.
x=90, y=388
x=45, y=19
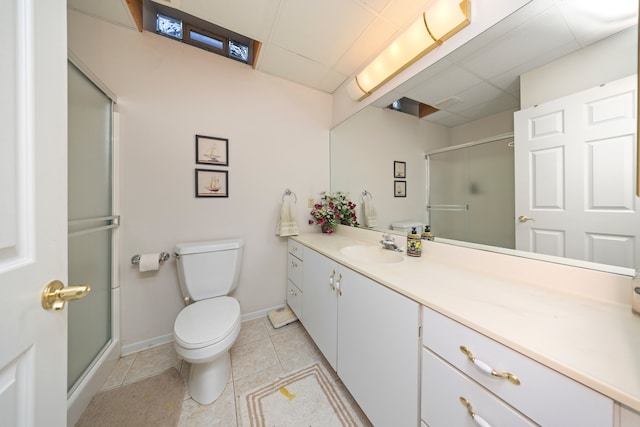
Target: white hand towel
x=288, y=225
x=370, y=215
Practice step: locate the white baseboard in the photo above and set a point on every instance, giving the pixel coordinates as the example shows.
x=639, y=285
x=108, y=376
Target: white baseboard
x=163, y=339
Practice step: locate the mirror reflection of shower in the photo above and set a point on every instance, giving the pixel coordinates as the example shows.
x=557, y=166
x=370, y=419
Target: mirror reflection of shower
x=471, y=192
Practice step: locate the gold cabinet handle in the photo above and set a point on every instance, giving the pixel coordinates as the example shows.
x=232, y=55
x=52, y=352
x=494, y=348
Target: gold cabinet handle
x=485, y=368
x=333, y=274
x=55, y=294
x=338, y=287
x=477, y=418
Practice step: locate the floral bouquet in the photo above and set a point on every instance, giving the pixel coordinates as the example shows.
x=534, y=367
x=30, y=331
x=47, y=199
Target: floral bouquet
x=334, y=209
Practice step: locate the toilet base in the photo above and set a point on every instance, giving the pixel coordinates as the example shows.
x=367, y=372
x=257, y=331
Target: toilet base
x=208, y=380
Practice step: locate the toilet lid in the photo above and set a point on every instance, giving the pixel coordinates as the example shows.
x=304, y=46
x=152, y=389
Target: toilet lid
x=206, y=322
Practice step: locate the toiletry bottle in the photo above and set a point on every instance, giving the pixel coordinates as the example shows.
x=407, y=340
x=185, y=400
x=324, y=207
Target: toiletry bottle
x=426, y=234
x=635, y=293
x=414, y=244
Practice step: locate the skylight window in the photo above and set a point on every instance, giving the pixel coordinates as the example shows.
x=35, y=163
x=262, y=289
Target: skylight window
x=169, y=26
x=178, y=25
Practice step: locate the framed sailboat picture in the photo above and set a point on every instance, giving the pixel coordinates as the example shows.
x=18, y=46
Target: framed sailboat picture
x=212, y=183
x=212, y=151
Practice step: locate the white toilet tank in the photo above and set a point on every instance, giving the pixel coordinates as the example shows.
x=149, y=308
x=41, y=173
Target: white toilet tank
x=208, y=269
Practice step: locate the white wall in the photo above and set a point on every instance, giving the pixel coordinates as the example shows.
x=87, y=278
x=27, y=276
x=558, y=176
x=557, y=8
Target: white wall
x=363, y=150
x=607, y=60
x=167, y=93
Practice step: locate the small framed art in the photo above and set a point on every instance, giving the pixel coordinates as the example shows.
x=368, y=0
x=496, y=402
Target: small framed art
x=399, y=169
x=212, y=151
x=212, y=183
x=400, y=188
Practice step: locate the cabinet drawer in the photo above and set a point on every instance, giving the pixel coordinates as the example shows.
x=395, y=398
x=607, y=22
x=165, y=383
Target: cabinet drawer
x=294, y=299
x=295, y=249
x=544, y=395
x=442, y=388
x=294, y=266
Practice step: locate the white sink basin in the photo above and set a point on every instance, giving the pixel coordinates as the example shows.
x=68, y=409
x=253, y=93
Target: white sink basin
x=372, y=254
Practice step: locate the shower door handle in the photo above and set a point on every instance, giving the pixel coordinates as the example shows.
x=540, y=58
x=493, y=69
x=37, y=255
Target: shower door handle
x=55, y=294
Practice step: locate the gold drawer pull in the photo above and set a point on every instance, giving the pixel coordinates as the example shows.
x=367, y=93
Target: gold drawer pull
x=477, y=418
x=487, y=369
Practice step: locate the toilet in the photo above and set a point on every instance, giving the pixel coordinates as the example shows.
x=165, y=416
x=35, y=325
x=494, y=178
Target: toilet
x=205, y=330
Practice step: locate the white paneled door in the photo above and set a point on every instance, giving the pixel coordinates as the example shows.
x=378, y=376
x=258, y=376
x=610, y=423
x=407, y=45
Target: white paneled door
x=575, y=173
x=33, y=211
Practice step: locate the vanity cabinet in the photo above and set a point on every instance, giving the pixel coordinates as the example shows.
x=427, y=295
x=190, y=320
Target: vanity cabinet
x=471, y=364
x=295, y=264
x=370, y=336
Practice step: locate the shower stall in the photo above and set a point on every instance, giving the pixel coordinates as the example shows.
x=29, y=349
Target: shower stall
x=93, y=328
x=471, y=192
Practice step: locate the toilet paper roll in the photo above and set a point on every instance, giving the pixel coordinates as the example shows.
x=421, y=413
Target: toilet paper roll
x=149, y=262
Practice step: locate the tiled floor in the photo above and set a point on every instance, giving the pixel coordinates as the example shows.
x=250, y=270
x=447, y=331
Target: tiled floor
x=260, y=356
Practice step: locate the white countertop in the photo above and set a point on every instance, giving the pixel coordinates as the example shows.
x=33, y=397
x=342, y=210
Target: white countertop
x=591, y=340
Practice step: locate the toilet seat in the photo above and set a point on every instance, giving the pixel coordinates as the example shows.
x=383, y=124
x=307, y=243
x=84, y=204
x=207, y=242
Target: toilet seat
x=206, y=322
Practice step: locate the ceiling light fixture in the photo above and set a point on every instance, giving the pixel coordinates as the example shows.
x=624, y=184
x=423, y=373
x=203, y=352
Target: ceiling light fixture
x=439, y=22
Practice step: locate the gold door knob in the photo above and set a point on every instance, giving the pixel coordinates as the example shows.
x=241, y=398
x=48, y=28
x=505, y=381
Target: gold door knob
x=524, y=218
x=55, y=294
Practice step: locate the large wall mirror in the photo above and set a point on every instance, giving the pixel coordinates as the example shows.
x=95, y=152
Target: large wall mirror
x=545, y=52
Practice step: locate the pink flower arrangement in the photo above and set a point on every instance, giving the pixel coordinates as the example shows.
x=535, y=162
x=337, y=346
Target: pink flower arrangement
x=334, y=209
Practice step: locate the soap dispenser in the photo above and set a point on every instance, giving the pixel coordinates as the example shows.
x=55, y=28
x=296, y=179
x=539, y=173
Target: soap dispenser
x=426, y=234
x=414, y=244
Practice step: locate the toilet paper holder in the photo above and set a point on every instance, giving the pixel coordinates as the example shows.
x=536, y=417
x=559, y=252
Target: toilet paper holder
x=164, y=256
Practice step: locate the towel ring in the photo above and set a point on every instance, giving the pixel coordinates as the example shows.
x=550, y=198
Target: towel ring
x=288, y=192
x=365, y=193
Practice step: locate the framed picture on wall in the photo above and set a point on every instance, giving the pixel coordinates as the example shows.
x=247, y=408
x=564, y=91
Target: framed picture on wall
x=212, y=183
x=212, y=151
x=400, y=188
x=399, y=169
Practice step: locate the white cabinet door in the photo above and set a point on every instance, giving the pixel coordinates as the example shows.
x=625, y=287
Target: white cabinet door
x=320, y=314
x=378, y=349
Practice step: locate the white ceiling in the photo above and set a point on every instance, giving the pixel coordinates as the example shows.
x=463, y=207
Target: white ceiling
x=320, y=44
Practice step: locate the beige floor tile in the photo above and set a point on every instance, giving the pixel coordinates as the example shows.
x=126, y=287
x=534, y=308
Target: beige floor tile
x=153, y=361
x=251, y=331
x=119, y=372
x=253, y=357
x=292, y=343
x=222, y=412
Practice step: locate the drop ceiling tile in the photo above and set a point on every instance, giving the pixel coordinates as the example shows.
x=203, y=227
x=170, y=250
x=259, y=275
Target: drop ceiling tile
x=445, y=85
x=545, y=32
x=331, y=81
x=322, y=31
x=447, y=119
x=290, y=66
x=376, y=5
x=403, y=12
x=474, y=96
x=251, y=18
x=497, y=105
x=366, y=47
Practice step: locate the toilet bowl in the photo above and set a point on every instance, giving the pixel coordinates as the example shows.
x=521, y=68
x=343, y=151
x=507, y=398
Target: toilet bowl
x=205, y=330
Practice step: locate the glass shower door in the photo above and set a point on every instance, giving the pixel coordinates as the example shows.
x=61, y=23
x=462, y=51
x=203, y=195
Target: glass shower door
x=91, y=222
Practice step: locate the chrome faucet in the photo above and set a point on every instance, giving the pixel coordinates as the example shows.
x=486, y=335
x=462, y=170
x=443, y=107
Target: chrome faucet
x=389, y=243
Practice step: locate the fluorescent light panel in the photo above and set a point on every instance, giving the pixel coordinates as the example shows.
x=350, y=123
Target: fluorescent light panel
x=442, y=20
